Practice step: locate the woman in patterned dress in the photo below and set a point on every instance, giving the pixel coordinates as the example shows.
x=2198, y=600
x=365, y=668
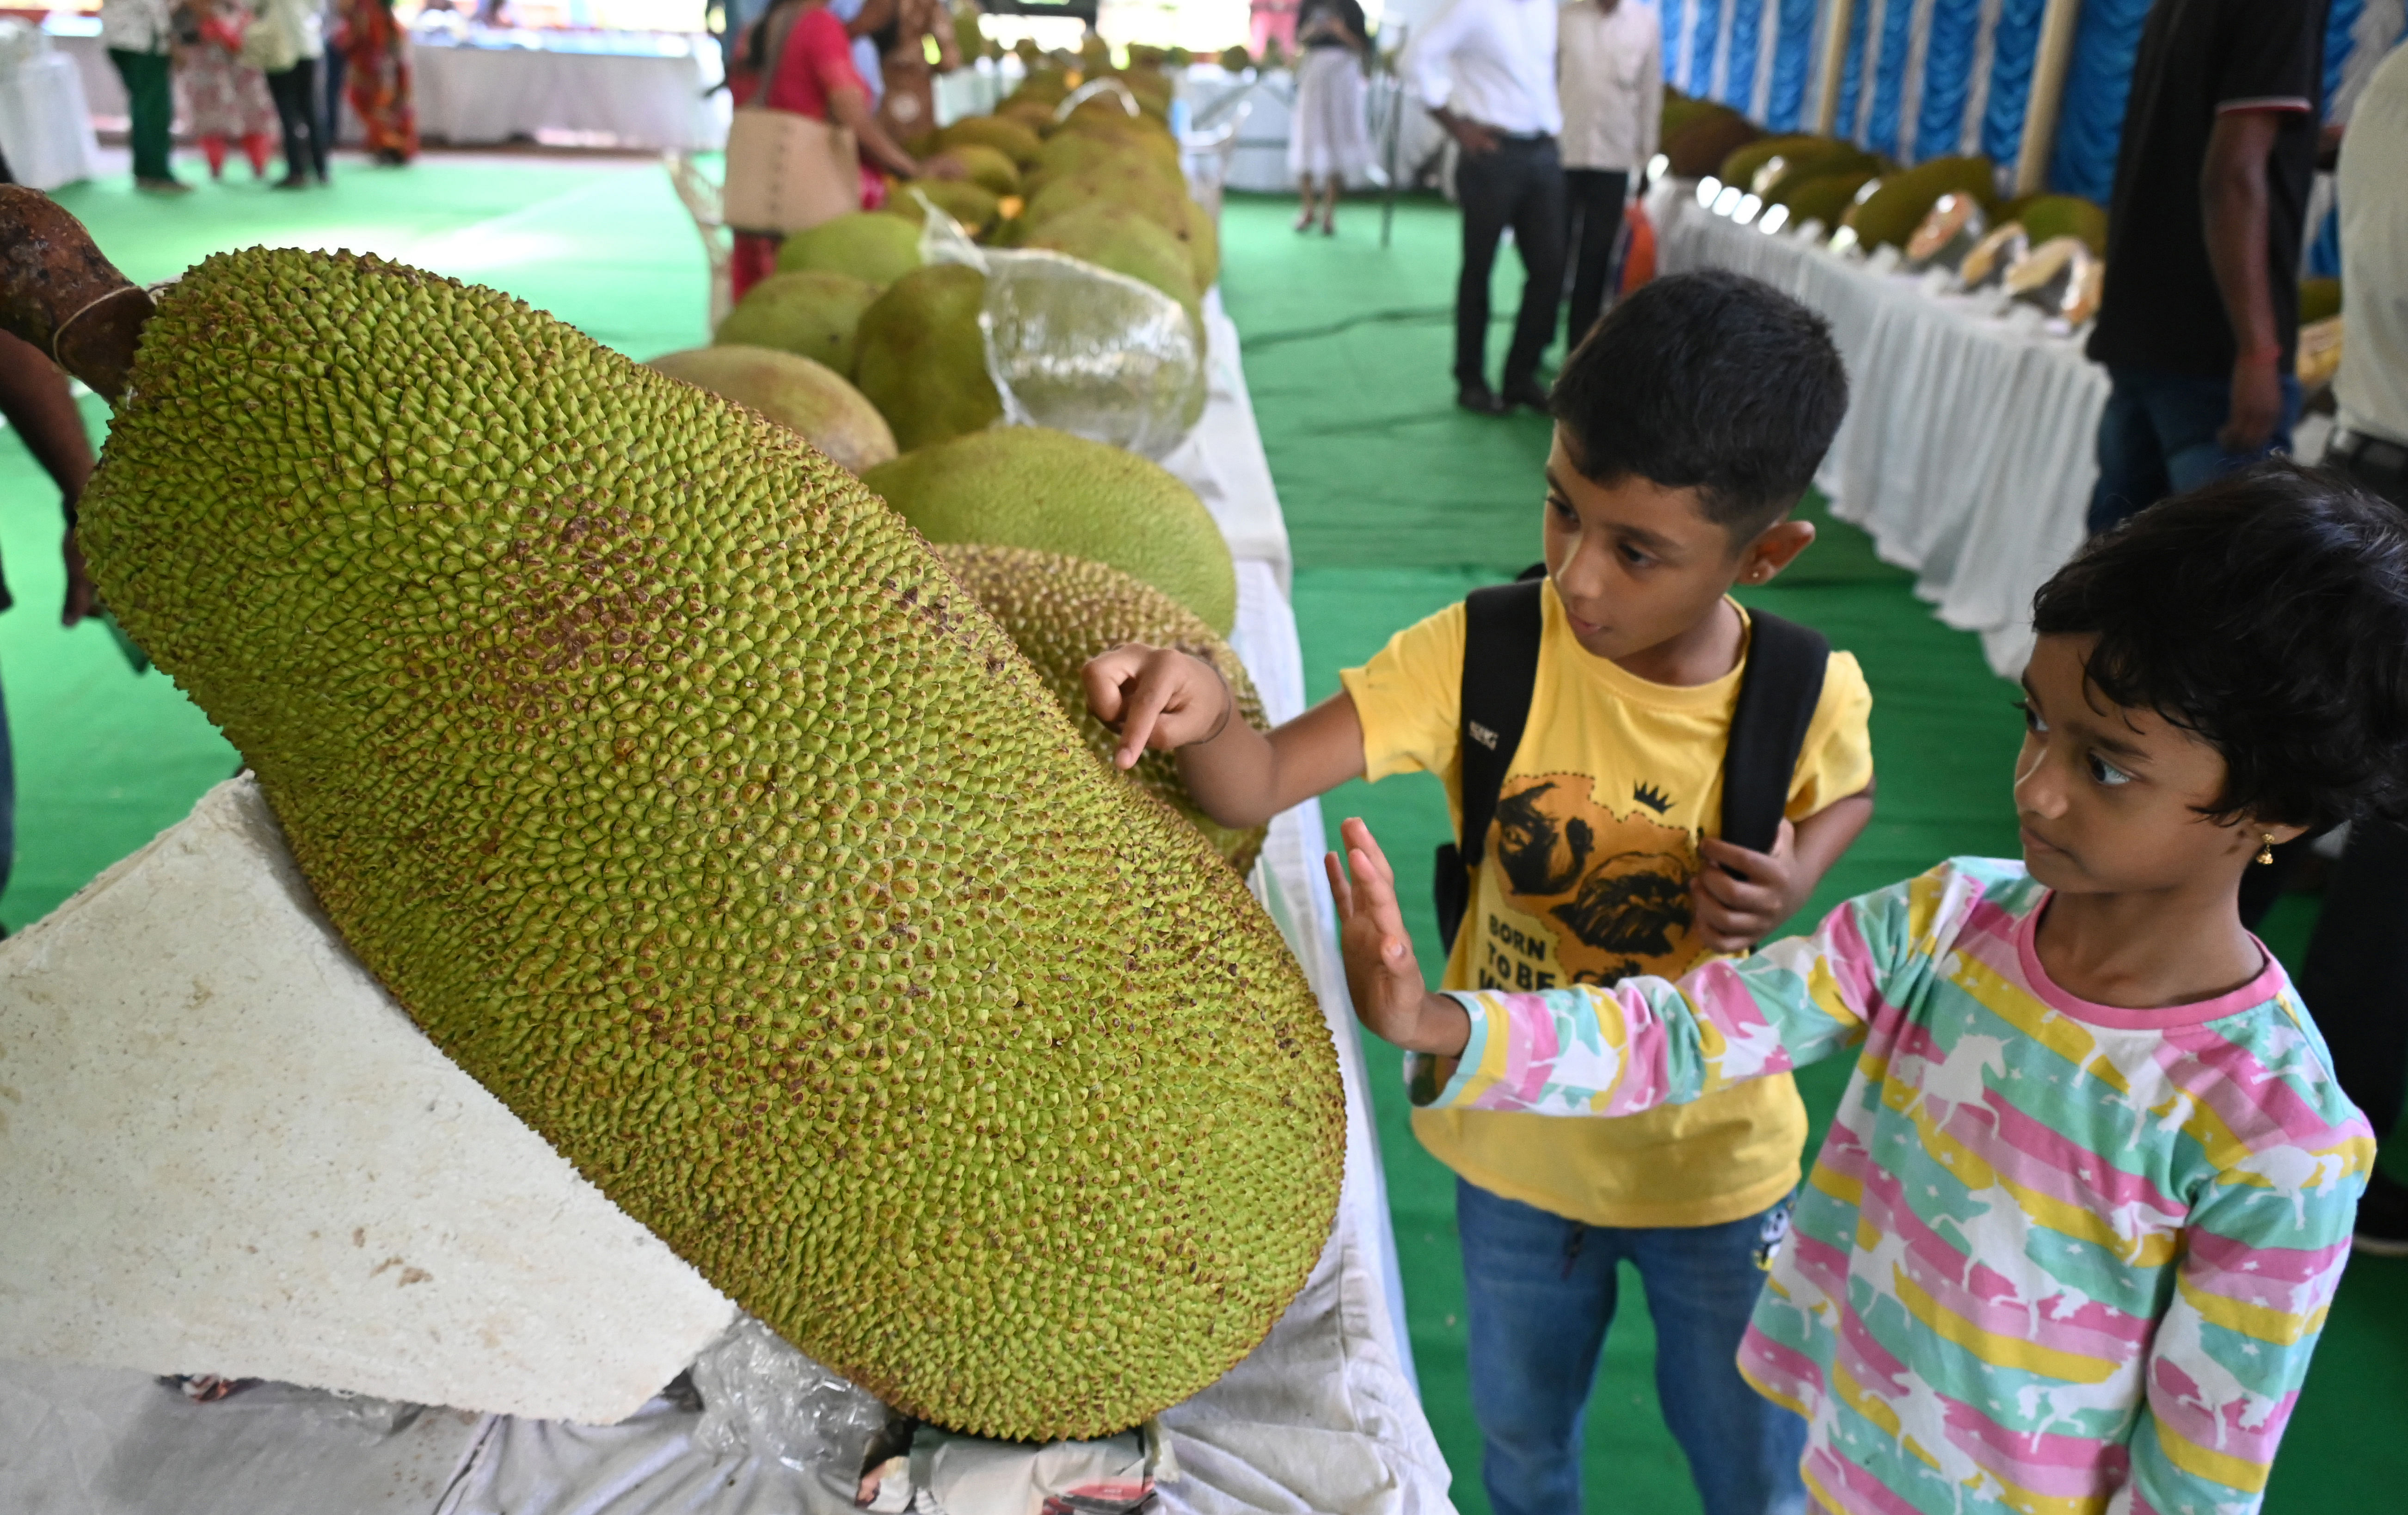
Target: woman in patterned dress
x=225, y=100
x=376, y=53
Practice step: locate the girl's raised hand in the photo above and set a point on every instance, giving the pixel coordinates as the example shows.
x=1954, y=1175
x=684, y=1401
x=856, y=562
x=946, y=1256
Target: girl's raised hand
x=1386, y=983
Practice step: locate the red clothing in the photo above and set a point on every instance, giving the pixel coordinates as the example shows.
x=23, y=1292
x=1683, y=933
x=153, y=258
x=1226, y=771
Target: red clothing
x=376, y=50
x=816, y=61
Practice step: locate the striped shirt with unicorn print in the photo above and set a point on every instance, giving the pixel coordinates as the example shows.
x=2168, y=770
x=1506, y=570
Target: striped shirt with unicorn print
x=2054, y=1257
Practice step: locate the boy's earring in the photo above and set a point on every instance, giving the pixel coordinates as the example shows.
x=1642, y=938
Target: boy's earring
x=2266, y=846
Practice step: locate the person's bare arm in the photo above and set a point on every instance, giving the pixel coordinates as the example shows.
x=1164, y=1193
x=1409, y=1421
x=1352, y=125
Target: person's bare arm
x=1382, y=976
x=35, y=397
x=851, y=108
x=1740, y=896
x=1172, y=702
x=2233, y=208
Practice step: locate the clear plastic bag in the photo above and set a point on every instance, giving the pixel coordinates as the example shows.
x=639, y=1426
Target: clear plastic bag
x=761, y=1398
x=1078, y=348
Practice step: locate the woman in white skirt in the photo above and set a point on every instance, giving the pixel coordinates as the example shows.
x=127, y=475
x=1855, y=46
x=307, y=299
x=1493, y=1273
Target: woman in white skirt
x=1328, y=138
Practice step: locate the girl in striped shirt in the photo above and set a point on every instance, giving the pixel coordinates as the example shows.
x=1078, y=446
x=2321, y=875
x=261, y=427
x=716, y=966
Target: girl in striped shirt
x=2072, y=1237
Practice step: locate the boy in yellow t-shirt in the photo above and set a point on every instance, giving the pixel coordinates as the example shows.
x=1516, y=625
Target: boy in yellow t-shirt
x=1688, y=426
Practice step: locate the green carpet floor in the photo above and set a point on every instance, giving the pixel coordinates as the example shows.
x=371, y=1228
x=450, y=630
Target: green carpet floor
x=1396, y=504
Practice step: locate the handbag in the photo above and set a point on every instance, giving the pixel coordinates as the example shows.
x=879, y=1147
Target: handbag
x=787, y=172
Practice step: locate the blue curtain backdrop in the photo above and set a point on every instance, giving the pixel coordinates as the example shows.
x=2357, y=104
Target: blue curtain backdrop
x=1746, y=47
x=1890, y=76
x=1947, y=77
x=1920, y=80
x=1793, y=67
x=2012, y=46
x=1705, y=35
x=1852, y=69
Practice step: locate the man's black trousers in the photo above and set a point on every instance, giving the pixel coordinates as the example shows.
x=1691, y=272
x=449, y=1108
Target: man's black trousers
x=1596, y=209
x=1519, y=185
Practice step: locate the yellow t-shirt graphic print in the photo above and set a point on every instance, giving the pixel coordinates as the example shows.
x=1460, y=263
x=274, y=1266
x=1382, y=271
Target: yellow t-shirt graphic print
x=1609, y=891
x=1585, y=879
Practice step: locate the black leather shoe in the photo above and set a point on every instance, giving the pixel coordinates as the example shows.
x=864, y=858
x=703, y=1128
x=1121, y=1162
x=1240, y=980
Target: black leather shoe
x=1480, y=400
x=1528, y=391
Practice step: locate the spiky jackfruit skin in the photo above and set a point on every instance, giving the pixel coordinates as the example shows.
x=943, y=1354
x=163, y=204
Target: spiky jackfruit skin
x=1031, y=486
x=684, y=797
x=1062, y=611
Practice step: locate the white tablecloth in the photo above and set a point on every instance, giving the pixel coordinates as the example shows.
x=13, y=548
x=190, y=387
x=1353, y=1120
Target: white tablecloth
x=46, y=123
x=482, y=94
x=1968, y=450
x=1322, y=1417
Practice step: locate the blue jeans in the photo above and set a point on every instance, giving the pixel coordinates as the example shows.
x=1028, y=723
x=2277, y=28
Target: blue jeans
x=2157, y=438
x=1541, y=1294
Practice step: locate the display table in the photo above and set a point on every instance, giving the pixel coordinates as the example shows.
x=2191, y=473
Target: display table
x=1969, y=451
x=602, y=89
x=1322, y=1417
x=45, y=121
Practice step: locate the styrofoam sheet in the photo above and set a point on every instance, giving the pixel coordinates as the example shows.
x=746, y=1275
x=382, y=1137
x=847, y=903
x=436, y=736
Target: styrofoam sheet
x=224, y=1149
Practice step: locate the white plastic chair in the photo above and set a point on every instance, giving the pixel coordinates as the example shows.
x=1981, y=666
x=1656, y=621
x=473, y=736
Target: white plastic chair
x=700, y=196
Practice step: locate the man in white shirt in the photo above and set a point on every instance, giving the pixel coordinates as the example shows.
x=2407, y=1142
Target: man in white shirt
x=1610, y=72
x=1486, y=70
x=2358, y=956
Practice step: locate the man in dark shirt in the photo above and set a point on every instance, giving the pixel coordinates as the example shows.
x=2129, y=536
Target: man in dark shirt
x=2200, y=321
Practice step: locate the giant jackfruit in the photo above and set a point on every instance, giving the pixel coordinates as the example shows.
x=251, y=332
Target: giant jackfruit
x=1063, y=611
x=685, y=800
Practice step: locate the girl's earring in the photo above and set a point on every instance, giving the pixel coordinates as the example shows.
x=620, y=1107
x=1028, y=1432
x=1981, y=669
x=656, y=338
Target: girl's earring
x=2266, y=846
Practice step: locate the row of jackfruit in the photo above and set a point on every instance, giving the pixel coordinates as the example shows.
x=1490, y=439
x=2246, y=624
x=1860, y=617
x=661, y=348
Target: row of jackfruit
x=1840, y=185
x=1074, y=545
x=1095, y=56
x=1837, y=183
x=1103, y=185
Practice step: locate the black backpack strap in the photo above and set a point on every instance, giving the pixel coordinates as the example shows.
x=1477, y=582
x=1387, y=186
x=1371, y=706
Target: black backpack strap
x=1501, y=626
x=1778, y=692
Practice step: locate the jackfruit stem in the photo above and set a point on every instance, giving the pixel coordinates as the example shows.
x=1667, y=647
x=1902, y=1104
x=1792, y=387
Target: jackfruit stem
x=59, y=294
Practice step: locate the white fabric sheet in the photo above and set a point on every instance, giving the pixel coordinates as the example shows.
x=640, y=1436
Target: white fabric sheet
x=78, y=39
x=1223, y=460
x=46, y=122
x=1968, y=450
x=480, y=94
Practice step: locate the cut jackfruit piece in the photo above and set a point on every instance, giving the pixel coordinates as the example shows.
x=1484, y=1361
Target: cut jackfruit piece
x=685, y=800
x=1026, y=486
x=1062, y=611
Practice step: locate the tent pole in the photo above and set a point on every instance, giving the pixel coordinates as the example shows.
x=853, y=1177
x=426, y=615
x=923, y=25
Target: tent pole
x=1834, y=62
x=2047, y=97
